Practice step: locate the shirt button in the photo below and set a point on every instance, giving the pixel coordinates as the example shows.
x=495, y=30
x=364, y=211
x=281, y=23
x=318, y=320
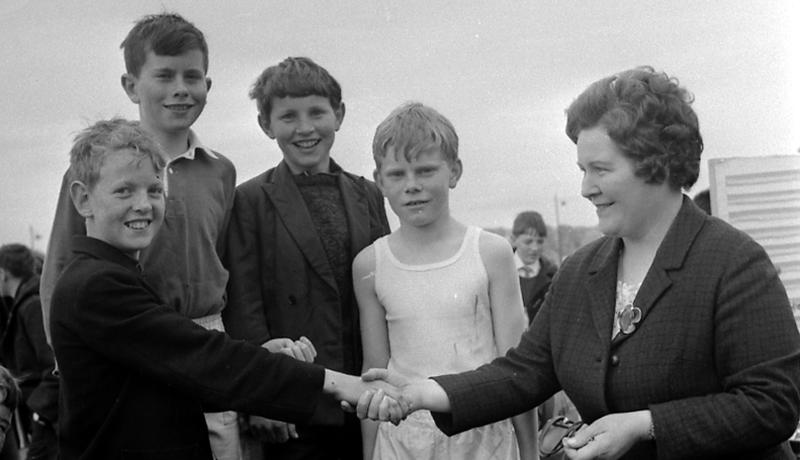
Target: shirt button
x=170, y=170
x=615, y=360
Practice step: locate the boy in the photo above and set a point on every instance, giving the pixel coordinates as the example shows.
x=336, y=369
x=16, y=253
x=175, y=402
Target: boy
x=294, y=232
x=135, y=374
x=435, y=296
x=9, y=398
x=166, y=59
x=24, y=350
x=535, y=271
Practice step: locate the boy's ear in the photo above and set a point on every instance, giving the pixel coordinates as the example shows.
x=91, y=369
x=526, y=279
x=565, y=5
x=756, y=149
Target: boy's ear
x=264, y=124
x=208, y=84
x=79, y=193
x=455, y=173
x=376, y=176
x=339, y=115
x=129, y=82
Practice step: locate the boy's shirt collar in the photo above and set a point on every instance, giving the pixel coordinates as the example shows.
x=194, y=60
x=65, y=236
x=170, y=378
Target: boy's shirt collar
x=534, y=267
x=194, y=145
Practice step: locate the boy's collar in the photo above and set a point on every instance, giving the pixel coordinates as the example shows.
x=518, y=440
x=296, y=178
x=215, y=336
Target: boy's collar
x=518, y=263
x=194, y=145
x=101, y=250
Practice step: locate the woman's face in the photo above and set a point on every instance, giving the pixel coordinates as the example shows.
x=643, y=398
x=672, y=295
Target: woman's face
x=626, y=206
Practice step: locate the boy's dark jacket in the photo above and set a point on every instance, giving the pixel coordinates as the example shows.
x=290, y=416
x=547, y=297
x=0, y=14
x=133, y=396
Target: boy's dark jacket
x=534, y=289
x=26, y=353
x=281, y=283
x=135, y=374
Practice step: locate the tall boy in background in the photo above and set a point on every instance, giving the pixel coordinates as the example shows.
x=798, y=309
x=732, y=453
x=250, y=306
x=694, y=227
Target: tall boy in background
x=166, y=59
x=294, y=233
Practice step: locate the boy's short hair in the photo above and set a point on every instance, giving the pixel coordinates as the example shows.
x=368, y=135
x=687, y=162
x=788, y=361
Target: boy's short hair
x=93, y=144
x=413, y=128
x=527, y=221
x=295, y=77
x=649, y=117
x=18, y=260
x=165, y=34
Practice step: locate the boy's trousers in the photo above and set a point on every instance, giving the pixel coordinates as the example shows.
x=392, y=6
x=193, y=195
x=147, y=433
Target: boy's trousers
x=223, y=427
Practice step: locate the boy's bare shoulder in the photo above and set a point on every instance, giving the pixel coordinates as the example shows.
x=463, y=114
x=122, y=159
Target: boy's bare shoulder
x=364, y=261
x=495, y=250
x=493, y=242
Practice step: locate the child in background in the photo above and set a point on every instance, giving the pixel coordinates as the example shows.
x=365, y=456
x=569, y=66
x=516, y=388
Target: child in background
x=535, y=271
x=24, y=350
x=136, y=374
x=294, y=233
x=9, y=399
x=435, y=296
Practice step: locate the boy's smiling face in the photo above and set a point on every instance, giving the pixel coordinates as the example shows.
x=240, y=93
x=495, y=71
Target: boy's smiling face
x=125, y=208
x=305, y=128
x=171, y=91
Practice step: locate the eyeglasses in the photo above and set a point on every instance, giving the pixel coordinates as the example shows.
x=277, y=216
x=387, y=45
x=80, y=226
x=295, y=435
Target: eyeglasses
x=554, y=432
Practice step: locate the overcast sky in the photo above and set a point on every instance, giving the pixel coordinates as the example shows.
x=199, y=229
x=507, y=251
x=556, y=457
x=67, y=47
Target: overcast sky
x=502, y=71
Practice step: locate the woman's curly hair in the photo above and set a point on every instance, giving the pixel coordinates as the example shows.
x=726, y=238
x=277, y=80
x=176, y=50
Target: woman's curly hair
x=650, y=118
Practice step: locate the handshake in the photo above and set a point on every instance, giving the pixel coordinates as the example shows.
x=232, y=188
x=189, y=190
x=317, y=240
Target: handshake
x=382, y=396
x=378, y=395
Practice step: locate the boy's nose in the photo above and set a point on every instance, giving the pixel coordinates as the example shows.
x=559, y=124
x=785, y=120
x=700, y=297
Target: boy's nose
x=180, y=87
x=304, y=126
x=142, y=203
x=412, y=184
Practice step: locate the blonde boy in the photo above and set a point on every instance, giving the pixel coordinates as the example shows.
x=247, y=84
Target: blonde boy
x=135, y=374
x=435, y=295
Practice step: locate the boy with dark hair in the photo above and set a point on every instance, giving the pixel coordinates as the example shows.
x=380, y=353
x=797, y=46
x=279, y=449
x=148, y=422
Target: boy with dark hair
x=24, y=350
x=166, y=58
x=136, y=374
x=294, y=233
x=535, y=272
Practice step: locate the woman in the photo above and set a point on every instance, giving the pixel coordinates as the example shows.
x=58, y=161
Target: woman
x=672, y=334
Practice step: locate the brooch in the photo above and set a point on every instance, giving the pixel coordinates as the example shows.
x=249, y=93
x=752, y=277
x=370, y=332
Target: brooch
x=628, y=318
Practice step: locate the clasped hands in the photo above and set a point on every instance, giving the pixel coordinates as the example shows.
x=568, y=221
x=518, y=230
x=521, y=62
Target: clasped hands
x=387, y=398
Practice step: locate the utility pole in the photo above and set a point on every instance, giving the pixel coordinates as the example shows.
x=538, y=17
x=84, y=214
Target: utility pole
x=33, y=237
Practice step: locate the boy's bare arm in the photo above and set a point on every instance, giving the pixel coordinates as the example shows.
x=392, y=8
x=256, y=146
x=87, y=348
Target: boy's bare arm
x=509, y=321
x=374, y=331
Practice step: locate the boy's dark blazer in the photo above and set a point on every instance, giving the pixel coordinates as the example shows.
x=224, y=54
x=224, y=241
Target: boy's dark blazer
x=281, y=283
x=715, y=357
x=533, y=292
x=136, y=375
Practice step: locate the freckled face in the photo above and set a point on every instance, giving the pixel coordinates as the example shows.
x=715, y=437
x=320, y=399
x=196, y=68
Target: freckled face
x=126, y=205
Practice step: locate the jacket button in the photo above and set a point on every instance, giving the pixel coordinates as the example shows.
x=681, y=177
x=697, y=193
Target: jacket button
x=614, y=360
x=292, y=300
